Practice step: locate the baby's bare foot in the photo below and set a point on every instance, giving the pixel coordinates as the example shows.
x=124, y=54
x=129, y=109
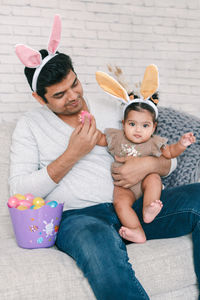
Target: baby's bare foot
x=135, y=235
x=151, y=211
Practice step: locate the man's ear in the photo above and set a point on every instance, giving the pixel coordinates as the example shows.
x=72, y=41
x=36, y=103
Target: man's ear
x=123, y=123
x=38, y=98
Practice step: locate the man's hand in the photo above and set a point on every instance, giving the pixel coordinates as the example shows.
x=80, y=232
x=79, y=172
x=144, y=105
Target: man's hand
x=135, y=169
x=81, y=142
x=130, y=173
x=83, y=139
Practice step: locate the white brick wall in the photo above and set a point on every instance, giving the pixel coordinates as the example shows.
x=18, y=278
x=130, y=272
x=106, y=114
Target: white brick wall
x=128, y=33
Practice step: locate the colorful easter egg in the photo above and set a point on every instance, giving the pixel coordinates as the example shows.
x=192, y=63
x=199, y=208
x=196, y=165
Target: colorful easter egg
x=20, y=196
x=37, y=206
x=47, y=201
x=13, y=202
x=83, y=114
x=29, y=197
x=25, y=203
x=52, y=203
x=38, y=201
x=21, y=207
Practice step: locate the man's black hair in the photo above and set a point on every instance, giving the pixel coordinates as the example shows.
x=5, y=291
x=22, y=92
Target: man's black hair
x=55, y=70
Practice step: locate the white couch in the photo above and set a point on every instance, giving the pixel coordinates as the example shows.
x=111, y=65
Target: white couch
x=164, y=267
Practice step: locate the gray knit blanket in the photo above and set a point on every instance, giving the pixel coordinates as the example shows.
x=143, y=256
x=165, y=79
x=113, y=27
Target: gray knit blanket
x=172, y=124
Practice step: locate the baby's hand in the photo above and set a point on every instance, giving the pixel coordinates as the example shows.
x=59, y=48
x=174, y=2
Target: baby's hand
x=187, y=139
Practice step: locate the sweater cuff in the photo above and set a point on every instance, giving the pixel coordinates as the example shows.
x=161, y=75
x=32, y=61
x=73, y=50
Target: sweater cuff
x=38, y=183
x=173, y=166
x=49, y=181
x=43, y=183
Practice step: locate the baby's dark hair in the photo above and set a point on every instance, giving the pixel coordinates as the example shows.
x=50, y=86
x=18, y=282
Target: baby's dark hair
x=138, y=106
x=55, y=70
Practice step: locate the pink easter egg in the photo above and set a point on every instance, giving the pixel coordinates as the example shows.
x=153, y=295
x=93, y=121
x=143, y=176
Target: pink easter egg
x=83, y=114
x=25, y=203
x=29, y=197
x=13, y=202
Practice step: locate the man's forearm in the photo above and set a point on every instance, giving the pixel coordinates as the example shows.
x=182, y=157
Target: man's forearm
x=160, y=165
x=61, y=166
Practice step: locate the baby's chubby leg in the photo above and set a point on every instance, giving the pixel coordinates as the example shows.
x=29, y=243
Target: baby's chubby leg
x=151, y=187
x=131, y=229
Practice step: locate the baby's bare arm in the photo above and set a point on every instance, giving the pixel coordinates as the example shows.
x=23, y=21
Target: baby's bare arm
x=101, y=139
x=174, y=150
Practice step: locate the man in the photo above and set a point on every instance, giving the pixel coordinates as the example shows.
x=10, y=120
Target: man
x=55, y=157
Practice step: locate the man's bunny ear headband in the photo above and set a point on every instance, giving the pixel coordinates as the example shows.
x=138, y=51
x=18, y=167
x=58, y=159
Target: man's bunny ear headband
x=33, y=59
x=148, y=87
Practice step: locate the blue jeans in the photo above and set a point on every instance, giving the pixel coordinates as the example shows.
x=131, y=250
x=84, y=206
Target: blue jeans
x=90, y=236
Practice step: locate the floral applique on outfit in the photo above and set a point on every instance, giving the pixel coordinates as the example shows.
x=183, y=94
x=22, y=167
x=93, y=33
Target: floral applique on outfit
x=129, y=150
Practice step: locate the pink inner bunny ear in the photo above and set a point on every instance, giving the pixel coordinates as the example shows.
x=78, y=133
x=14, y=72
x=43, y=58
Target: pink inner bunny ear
x=55, y=36
x=29, y=57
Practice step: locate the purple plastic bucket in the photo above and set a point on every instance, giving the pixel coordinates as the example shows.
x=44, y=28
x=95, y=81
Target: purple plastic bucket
x=36, y=228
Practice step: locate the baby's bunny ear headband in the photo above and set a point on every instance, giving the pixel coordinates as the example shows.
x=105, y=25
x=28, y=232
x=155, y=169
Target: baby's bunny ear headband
x=148, y=87
x=32, y=58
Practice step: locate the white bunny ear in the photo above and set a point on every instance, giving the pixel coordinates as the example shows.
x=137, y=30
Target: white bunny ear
x=33, y=59
x=112, y=86
x=55, y=35
x=28, y=56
